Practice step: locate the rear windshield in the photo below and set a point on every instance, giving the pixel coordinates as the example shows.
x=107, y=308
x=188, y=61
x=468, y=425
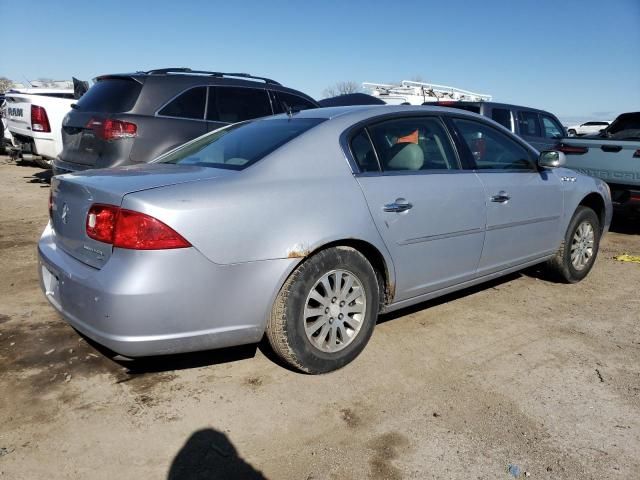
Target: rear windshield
x=238, y=146
x=113, y=95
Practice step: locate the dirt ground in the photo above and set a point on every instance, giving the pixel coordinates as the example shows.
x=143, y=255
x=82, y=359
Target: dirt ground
x=521, y=372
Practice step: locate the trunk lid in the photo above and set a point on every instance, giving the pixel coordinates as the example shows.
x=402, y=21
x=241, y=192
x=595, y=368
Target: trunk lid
x=73, y=195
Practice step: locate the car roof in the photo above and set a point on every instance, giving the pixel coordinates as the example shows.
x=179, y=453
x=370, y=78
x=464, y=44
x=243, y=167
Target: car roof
x=366, y=111
x=493, y=104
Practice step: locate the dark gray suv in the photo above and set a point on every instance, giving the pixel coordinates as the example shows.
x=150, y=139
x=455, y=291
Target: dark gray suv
x=539, y=128
x=132, y=118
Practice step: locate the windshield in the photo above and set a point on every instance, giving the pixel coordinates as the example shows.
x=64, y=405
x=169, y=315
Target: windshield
x=626, y=126
x=240, y=145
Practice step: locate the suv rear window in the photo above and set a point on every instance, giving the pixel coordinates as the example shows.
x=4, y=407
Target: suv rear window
x=112, y=95
x=238, y=146
x=502, y=116
x=294, y=102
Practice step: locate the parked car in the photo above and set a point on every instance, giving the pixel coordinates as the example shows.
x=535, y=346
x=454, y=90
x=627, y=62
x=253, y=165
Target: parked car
x=613, y=156
x=133, y=118
x=538, y=127
x=306, y=226
x=34, y=119
x=587, y=128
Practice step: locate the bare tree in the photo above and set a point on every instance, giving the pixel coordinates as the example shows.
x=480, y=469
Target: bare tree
x=341, y=88
x=5, y=84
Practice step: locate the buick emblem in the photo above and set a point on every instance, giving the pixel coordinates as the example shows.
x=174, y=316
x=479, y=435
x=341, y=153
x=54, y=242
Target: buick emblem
x=65, y=212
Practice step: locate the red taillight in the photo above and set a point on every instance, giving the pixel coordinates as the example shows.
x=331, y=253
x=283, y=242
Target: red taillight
x=133, y=230
x=571, y=149
x=39, y=119
x=109, y=129
x=101, y=222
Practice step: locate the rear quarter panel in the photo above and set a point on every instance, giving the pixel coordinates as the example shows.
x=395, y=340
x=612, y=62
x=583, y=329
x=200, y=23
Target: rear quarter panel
x=292, y=202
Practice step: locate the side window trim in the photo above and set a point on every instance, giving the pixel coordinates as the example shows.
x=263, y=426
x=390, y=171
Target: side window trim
x=469, y=156
x=364, y=126
x=193, y=87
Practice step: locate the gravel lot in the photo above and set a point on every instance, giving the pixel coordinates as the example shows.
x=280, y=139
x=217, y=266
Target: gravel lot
x=540, y=376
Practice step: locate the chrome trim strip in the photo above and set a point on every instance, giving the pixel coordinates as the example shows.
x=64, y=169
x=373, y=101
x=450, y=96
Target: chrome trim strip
x=522, y=222
x=441, y=236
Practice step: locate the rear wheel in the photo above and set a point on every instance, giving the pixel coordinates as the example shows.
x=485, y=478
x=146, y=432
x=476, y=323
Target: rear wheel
x=572, y=132
x=579, y=249
x=325, y=312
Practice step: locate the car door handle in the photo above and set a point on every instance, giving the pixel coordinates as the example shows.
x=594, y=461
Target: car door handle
x=611, y=148
x=400, y=205
x=501, y=197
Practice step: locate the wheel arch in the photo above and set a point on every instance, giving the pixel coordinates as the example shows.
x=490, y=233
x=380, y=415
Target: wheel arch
x=380, y=262
x=595, y=202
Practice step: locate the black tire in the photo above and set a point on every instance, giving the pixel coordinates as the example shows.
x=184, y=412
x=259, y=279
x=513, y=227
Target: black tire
x=286, y=326
x=572, y=132
x=561, y=266
x=42, y=162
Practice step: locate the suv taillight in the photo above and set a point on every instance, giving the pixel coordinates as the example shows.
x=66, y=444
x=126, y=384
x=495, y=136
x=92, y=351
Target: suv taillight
x=570, y=149
x=109, y=129
x=133, y=230
x=39, y=119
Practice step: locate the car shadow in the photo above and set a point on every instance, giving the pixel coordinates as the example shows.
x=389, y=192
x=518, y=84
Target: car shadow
x=178, y=361
x=42, y=177
x=626, y=222
x=209, y=454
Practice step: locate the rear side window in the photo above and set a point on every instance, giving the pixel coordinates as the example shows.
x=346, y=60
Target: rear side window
x=552, y=129
x=238, y=146
x=189, y=104
x=236, y=104
x=413, y=143
x=294, y=102
x=491, y=149
x=362, y=151
x=502, y=116
x=112, y=95
x=529, y=125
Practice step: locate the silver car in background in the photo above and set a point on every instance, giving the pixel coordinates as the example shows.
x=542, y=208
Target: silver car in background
x=306, y=226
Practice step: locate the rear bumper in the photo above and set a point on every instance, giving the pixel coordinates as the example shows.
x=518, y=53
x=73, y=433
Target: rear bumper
x=144, y=303
x=35, y=145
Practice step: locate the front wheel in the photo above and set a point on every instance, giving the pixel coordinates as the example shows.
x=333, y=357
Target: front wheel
x=325, y=312
x=579, y=249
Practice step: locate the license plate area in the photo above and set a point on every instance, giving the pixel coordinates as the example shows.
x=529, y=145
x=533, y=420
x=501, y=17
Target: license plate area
x=51, y=284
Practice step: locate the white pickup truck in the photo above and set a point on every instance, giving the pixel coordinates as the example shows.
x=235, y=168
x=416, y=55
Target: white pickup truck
x=34, y=119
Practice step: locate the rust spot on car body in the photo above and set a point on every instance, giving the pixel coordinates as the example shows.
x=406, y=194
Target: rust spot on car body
x=299, y=250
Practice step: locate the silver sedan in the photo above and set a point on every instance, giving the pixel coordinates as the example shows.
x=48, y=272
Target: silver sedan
x=305, y=227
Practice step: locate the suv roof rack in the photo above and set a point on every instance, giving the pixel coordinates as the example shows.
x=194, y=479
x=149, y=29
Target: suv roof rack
x=160, y=71
x=428, y=91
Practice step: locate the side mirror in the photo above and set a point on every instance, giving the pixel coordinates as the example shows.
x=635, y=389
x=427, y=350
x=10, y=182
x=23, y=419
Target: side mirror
x=552, y=159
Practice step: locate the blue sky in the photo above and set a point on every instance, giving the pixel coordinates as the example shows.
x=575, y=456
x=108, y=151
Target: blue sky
x=577, y=59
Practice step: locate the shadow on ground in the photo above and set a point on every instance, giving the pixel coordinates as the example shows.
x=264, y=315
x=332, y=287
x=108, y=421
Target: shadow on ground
x=625, y=222
x=209, y=454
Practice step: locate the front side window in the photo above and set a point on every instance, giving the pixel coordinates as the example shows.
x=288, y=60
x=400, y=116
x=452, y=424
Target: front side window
x=286, y=101
x=238, y=146
x=502, y=116
x=413, y=144
x=529, y=125
x=551, y=128
x=237, y=104
x=491, y=149
x=189, y=104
